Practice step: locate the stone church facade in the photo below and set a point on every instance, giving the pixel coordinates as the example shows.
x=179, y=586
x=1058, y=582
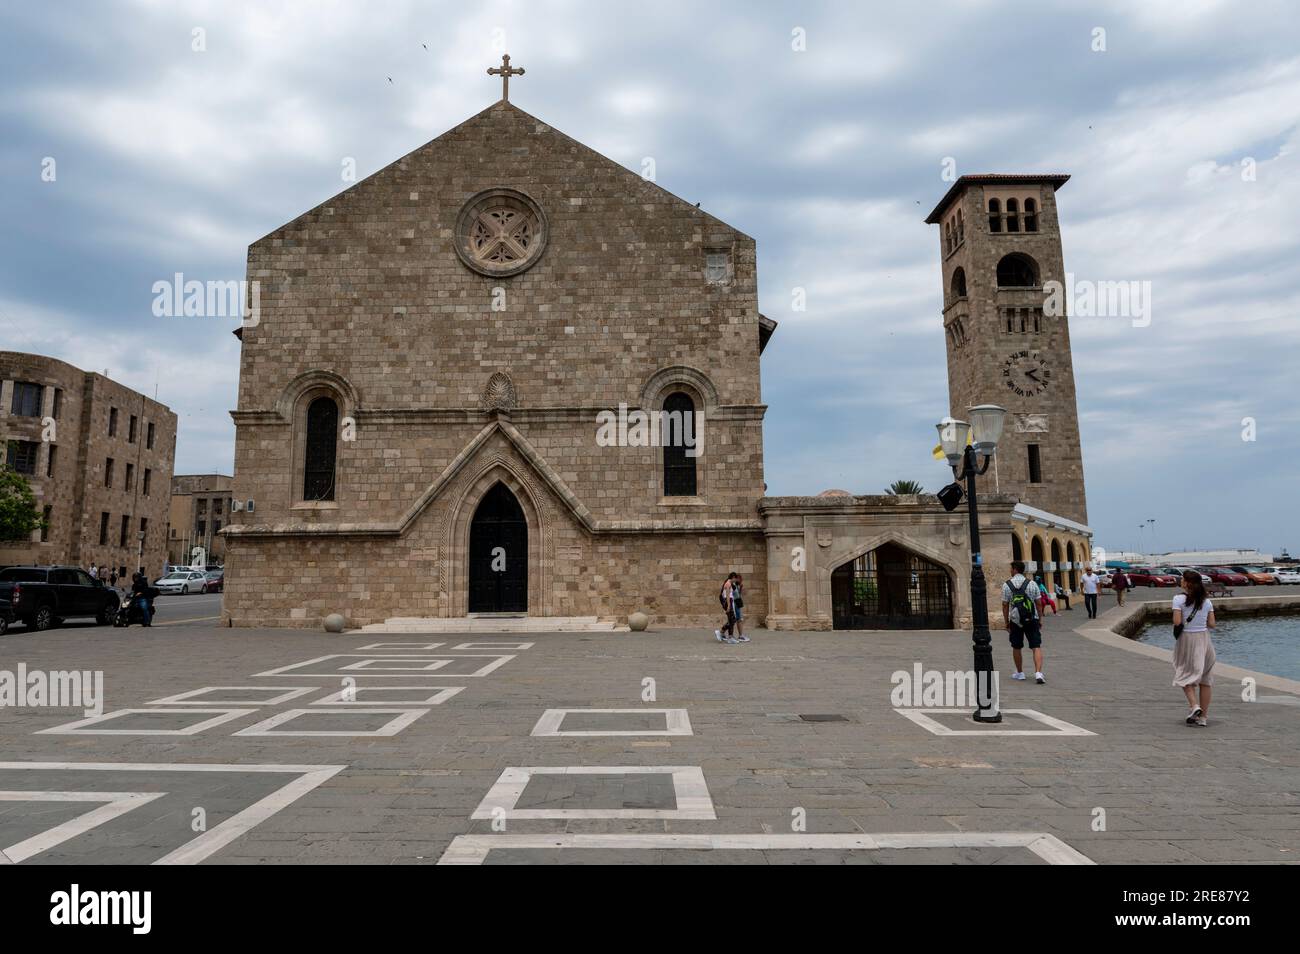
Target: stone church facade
x=426, y=393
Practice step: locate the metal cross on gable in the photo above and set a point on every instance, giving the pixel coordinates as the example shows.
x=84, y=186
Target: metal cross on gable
x=505, y=71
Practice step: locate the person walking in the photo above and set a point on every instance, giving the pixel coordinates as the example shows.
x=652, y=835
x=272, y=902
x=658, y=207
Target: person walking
x=1193, y=650
x=1119, y=583
x=738, y=604
x=727, y=598
x=94, y=571
x=1020, y=615
x=1091, y=583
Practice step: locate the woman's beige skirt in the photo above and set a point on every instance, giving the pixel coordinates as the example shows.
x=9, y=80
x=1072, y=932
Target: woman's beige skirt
x=1194, y=660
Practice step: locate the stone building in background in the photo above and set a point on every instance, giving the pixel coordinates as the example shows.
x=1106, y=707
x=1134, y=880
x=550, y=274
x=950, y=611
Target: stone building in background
x=98, y=456
x=200, y=508
x=425, y=405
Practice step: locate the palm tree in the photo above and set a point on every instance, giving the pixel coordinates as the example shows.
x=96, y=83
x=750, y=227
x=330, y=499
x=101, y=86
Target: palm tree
x=901, y=487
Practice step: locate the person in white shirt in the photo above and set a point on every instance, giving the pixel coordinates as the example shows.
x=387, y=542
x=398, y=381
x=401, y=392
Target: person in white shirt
x=1091, y=585
x=1020, y=614
x=1193, y=650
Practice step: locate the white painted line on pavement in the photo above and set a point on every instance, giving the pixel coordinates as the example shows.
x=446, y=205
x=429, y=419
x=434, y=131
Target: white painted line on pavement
x=677, y=722
x=692, y=793
x=473, y=849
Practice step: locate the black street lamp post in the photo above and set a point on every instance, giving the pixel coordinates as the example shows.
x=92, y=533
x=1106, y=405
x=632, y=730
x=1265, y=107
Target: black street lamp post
x=969, y=461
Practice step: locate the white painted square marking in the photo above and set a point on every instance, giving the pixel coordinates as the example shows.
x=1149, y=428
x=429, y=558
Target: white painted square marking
x=513, y=647
x=190, y=698
x=496, y=663
x=401, y=647
x=406, y=665
x=113, y=805
x=693, y=801
x=473, y=849
x=1055, y=726
x=439, y=696
x=401, y=719
x=677, y=722
x=216, y=838
x=80, y=727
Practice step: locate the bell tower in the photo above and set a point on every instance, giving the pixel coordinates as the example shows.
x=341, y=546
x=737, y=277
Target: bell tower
x=1007, y=342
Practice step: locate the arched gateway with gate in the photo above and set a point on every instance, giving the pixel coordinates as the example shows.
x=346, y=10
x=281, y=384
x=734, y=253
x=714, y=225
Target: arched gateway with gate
x=891, y=588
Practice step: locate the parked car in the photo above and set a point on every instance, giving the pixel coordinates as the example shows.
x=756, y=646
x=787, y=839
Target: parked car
x=1150, y=576
x=1256, y=574
x=183, y=582
x=1221, y=574
x=1205, y=577
x=43, y=596
x=1287, y=574
x=216, y=581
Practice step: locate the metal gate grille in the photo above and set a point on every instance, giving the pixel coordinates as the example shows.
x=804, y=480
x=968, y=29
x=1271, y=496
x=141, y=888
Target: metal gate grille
x=891, y=588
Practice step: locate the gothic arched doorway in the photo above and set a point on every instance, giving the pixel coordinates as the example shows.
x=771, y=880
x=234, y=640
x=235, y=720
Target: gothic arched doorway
x=498, y=554
x=891, y=588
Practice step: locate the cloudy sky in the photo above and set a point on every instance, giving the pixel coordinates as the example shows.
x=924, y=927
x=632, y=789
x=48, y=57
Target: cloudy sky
x=1181, y=137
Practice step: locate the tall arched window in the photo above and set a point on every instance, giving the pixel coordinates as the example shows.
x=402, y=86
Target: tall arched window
x=1031, y=215
x=995, y=215
x=321, y=449
x=959, y=283
x=1017, y=270
x=679, y=433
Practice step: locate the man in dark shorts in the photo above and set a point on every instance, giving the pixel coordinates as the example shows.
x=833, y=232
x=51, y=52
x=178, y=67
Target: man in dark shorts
x=1020, y=614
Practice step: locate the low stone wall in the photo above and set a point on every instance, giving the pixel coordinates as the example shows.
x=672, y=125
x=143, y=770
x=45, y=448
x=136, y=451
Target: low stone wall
x=1144, y=614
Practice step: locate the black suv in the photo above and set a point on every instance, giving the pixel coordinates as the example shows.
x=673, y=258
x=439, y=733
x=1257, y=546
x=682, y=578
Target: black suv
x=44, y=596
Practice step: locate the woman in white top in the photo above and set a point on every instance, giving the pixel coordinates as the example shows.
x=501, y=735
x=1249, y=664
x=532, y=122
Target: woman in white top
x=1193, y=651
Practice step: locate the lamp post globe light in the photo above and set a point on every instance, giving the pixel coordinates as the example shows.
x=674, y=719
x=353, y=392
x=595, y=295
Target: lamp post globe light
x=969, y=448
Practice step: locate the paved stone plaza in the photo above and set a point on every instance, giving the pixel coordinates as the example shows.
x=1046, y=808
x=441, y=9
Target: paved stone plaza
x=302, y=747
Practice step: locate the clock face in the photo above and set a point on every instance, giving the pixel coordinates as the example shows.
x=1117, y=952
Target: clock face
x=1026, y=373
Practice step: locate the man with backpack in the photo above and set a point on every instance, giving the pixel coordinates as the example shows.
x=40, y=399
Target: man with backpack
x=1020, y=614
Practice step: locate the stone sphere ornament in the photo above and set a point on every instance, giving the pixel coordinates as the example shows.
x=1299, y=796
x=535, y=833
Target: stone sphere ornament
x=638, y=621
x=334, y=623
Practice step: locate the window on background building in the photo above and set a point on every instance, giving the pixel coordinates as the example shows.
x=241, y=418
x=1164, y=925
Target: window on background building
x=216, y=527
x=1035, y=465
x=131, y=429
x=216, y=506
x=21, y=456
x=321, y=449
x=203, y=506
x=148, y=474
x=112, y=422
x=679, y=468
x=27, y=399
x=103, y=529
x=126, y=528
x=50, y=460
x=201, y=528
x=108, y=472
x=57, y=411
x=130, y=476
x=45, y=523
x=1031, y=215
x=148, y=436
x=144, y=528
